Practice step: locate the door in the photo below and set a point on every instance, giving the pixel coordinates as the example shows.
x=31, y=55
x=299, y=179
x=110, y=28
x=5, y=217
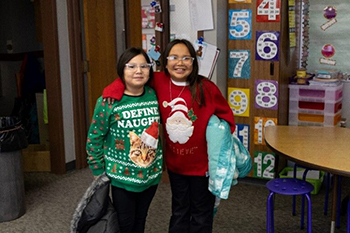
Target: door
x=100, y=47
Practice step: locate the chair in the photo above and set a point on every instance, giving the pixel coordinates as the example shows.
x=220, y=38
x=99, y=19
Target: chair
x=288, y=186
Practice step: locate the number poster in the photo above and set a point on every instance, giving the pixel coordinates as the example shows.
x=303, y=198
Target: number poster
x=259, y=126
x=240, y=24
x=242, y=133
x=238, y=99
x=239, y=64
x=267, y=45
x=266, y=94
x=268, y=10
x=264, y=164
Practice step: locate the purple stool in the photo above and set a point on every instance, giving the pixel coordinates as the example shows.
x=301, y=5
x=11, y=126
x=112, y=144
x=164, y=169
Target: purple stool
x=288, y=186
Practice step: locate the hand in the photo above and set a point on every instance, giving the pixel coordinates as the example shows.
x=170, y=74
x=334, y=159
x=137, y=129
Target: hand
x=96, y=177
x=109, y=100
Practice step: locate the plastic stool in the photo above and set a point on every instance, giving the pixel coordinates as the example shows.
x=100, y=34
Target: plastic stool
x=288, y=186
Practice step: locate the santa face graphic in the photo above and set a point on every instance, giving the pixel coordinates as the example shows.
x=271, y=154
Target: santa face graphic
x=179, y=128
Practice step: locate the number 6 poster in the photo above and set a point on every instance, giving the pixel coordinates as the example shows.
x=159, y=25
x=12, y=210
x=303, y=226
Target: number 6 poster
x=267, y=45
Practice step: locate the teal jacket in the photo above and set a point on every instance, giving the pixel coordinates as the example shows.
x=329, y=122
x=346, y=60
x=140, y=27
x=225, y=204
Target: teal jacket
x=228, y=158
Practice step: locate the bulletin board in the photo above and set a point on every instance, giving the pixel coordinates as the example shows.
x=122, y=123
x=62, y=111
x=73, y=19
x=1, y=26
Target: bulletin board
x=260, y=61
x=326, y=33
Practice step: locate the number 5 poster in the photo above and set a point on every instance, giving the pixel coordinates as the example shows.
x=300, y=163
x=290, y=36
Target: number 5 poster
x=240, y=24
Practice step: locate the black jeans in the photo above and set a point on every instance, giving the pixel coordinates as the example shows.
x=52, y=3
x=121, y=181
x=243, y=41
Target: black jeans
x=192, y=204
x=132, y=208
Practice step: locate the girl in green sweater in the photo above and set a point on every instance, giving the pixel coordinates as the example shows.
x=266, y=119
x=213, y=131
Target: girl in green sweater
x=123, y=141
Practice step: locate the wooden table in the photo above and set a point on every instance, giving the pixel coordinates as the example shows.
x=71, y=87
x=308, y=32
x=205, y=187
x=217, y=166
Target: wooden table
x=321, y=148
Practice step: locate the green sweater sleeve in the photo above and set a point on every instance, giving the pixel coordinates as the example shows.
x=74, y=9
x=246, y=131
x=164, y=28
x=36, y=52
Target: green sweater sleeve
x=95, y=140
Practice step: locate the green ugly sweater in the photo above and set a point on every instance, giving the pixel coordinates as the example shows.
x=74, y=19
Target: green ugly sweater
x=123, y=141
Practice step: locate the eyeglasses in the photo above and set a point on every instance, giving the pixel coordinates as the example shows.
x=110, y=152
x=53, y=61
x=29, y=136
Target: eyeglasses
x=185, y=60
x=134, y=67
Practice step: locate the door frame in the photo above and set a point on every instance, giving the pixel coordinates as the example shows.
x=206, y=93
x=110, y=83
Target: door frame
x=78, y=84
x=48, y=11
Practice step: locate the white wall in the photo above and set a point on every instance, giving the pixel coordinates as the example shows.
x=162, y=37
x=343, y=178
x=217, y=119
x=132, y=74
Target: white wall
x=66, y=82
x=180, y=25
x=218, y=37
x=180, y=22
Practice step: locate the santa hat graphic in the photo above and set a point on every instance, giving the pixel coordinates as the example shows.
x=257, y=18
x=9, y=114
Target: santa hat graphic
x=176, y=106
x=150, y=135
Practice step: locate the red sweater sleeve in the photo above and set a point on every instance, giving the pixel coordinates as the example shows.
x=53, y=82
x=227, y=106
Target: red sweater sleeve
x=114, y=90
x=222, y=109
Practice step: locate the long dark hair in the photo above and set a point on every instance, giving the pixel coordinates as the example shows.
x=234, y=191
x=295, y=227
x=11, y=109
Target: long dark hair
x=194, y=79
x=126, y=56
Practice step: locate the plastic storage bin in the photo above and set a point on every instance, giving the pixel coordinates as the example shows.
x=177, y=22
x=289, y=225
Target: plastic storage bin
x=317, y=183
x=299, y=118
x=315, y=107
x=315, y=93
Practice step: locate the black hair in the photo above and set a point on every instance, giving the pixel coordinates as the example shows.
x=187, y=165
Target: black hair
x=194, y=79
x=126, y=56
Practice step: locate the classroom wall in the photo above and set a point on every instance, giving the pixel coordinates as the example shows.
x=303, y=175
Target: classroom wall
x=66, y=81
x=181, y=28
x=218, y=37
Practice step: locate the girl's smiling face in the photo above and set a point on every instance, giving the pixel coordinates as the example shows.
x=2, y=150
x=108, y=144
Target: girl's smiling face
x=177, y=68
x=136, y=74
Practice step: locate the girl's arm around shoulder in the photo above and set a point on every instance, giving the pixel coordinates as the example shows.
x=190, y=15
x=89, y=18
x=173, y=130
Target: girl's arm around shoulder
x=158, y=79
x=114, y=90
x=222, y=109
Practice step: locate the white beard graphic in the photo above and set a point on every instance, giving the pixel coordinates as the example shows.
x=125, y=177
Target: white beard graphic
x=179, y=128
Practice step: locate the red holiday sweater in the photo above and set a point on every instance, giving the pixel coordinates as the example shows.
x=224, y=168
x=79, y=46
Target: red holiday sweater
x=185, y=122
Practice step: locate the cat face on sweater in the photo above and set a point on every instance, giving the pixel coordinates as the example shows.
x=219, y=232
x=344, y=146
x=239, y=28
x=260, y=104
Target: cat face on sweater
x=141, y=154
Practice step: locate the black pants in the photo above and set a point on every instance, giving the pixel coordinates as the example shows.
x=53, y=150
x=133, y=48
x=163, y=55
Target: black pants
x=132, y=208
x=192, y=204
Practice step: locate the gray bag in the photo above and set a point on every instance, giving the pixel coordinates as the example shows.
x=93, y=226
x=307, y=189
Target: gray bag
x=95, y=212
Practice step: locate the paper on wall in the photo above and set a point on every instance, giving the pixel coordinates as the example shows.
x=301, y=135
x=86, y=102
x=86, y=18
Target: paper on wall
x=201, y=13
x=207, y=56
